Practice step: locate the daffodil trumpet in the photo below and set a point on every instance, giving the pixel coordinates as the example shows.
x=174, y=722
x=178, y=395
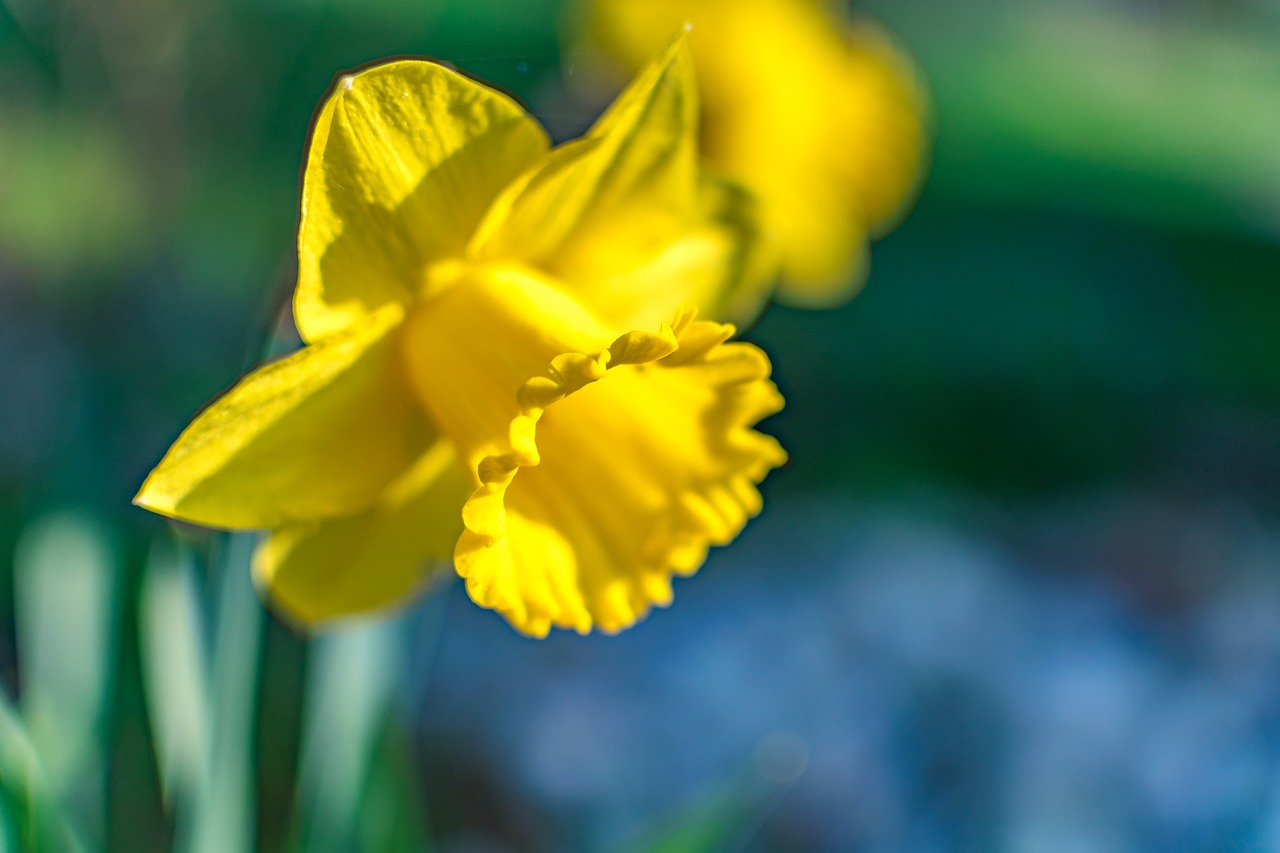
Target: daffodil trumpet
x=502, y=362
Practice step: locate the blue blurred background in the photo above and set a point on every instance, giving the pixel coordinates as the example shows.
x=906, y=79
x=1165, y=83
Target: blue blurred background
x=1017, y=590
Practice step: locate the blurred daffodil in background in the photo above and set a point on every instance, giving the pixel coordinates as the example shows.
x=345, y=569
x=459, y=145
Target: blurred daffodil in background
x=825, y=120
x=502, y=361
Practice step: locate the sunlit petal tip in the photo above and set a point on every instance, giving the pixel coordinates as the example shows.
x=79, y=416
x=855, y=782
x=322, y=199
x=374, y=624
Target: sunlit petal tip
x=646, y=458
x=676, y=50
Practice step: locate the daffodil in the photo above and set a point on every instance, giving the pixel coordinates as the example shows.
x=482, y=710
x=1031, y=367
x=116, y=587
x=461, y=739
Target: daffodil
x=824, y=120
x=502, y=363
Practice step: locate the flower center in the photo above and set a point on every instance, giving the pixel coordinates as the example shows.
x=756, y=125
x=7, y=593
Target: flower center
x=477, y=333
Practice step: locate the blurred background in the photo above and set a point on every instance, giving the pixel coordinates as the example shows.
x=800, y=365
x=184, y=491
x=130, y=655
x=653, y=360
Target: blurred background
x=1019, y=588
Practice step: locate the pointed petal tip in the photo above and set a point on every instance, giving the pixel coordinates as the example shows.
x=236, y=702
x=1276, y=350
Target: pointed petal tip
x=148, y=499
x=676, y=47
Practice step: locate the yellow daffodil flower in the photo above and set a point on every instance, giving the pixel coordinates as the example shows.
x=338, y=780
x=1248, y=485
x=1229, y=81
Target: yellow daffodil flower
x=502, y=362
x=822, y=119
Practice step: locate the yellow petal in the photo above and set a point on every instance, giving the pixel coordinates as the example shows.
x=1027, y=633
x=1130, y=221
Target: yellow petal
x=825, y=121
x=614, y=463
x=622, y=218
x=319, y=433
x=635, y=476
x=641, y=154
x=317, y=571
x=403, y=161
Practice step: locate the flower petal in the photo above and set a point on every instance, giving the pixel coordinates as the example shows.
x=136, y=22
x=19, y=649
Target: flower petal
x=317, y=571
x=316, y=434
x=403, y=161
x=642, y=153
x=622, y=218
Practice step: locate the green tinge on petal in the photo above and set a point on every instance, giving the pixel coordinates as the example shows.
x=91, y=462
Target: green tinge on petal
x=404, y=160
x=737, y=274
x=319, y=433
x=317, y=571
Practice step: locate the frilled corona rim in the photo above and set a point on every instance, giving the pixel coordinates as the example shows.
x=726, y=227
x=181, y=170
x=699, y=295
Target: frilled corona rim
x=709, y=513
